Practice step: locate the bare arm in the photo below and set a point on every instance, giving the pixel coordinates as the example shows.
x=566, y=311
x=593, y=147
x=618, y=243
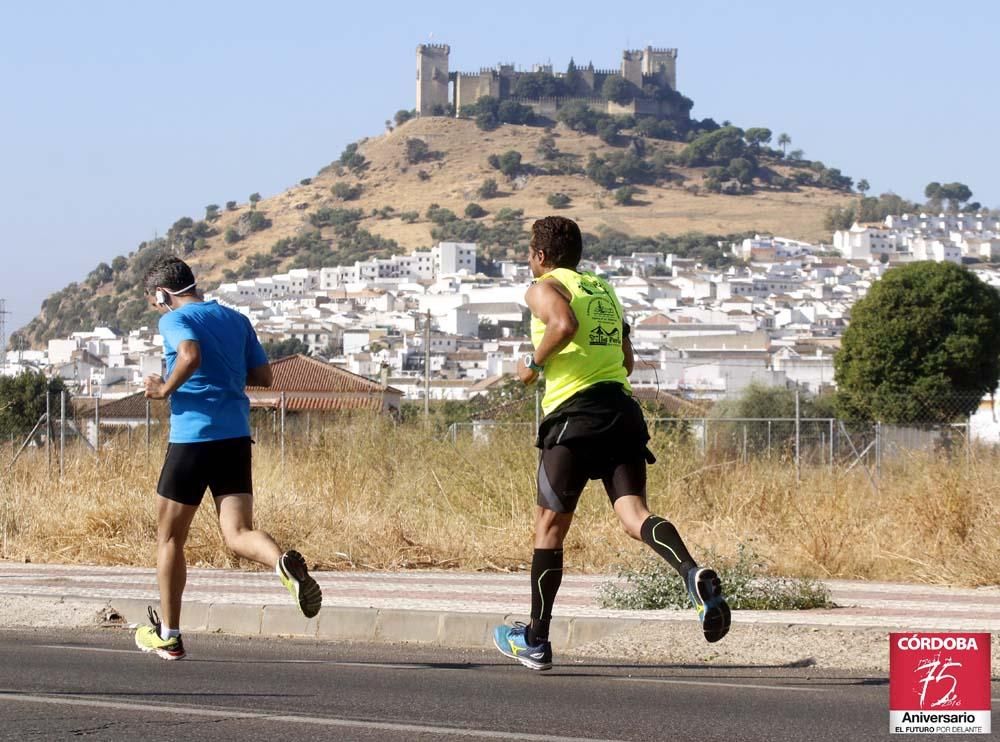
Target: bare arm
x=549, y=301
x=187, y=362
x=260, y=376
x=629, y=362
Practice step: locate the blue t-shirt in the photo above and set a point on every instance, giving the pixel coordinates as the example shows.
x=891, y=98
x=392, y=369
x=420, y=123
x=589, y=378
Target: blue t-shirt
x=212, y=405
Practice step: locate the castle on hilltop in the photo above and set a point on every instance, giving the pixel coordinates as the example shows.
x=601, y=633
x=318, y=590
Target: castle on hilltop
x=440, y=91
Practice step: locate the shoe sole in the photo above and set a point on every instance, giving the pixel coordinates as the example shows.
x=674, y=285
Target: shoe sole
x=307, y=591
x=526, y=661
x=163, y=654
x=718, y=617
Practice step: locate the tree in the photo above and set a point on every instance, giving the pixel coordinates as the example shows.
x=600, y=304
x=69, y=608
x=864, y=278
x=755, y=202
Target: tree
x=475, y=211
x=22, y=400
x=489, y=189
x=254, y=198
x=417, y=150
x=619, y=90
x=796, y=154
x=558, y=200
x=402, y=116
x=863, y=186
x=275, y=349
x=509, y=163
x=346, y=191
x=932, y=192
x=741, y=169
x=211, y=212
x=921, y=346
x=955, y=194
x=232, y=236
x=783, y=141
x=230, y=206
x=757, y=136
x=624, y=195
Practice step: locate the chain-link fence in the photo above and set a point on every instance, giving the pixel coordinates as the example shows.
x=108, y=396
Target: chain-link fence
x=54, y=429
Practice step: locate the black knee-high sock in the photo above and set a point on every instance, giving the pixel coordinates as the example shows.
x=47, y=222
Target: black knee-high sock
x=546, y=575
x=662, y=537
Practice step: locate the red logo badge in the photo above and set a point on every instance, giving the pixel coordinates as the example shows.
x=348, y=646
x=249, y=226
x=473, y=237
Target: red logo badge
x=939, y=683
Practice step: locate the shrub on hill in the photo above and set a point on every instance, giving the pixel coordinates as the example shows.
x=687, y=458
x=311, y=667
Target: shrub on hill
x=475, y=211
x=346, y=191
x=488, y=189
x=558, y=200
x=331, y=217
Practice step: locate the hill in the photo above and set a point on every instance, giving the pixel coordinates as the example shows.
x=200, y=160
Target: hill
x=411, y=186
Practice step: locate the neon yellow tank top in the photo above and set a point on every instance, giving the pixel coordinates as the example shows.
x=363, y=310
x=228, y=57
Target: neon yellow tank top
x=595, y=353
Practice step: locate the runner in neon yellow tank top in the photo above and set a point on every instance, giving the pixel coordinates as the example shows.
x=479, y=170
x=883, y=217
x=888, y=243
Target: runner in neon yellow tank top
x=594, y=355
x=593, y=429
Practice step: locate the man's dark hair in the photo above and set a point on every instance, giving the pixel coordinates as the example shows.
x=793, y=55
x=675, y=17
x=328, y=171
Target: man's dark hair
x=170, y=273
x=559, y=238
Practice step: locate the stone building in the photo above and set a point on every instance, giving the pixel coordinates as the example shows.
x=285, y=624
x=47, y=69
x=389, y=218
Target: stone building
x=438, y=88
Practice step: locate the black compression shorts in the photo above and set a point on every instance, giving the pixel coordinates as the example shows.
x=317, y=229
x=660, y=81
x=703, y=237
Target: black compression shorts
x=222, y=466
x=599, y=433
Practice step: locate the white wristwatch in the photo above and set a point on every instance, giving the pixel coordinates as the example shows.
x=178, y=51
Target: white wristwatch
x=529, y=361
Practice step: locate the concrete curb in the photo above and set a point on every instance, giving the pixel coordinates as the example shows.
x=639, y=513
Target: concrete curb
x=336, y=623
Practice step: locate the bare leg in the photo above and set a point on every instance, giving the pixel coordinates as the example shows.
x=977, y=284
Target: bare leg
x=551, y=528
x=173, y=524
x=236, y=523
x=632, y=512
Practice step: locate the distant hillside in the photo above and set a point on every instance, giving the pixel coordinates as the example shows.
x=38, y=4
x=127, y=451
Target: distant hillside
x=412, y=186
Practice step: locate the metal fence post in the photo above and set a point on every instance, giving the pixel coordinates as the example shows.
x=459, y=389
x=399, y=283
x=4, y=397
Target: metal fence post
x=831, y=444
x=62, y=432
x=282, y=428
x=97, y=426
x=798, y=428
x=148, y=425
x=878, y=452
x=48, y=433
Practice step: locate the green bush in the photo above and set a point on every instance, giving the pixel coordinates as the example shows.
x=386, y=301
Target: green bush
x=417, y=151
x=352, y=159
x=230, y=206
x=305, y=181
x=475, y=211
x=332, y=217
x=558, y=200
x=346, y=191
x=440, y=216
x=409, y=216
x=656, y=585
x=624, y=196
x=232, y=236
x=231, y=254
x=489, y=189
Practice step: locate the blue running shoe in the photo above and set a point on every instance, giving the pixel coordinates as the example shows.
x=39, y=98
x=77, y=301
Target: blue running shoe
x=512, y=642
x=705, y=591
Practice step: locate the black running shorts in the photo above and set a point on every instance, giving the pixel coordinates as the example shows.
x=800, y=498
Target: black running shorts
x=563, y=472
x=222, y=466
x=600, y=434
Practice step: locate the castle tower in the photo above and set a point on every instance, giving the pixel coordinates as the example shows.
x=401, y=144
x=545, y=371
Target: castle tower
x=661, y=64
x=432, y=77
x=632, y=66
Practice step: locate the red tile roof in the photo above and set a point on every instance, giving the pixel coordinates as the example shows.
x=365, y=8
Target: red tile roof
x=321, y=404
x=132, y=407
x=300, y=373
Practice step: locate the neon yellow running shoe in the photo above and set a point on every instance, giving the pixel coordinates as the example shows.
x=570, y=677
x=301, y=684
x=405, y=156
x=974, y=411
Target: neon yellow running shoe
x=147, y=638
x=291, y=569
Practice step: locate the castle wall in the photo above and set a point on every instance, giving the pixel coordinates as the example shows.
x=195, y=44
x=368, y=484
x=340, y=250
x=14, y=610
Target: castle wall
x=632, y=67
x=661, y=64
x=432, y=77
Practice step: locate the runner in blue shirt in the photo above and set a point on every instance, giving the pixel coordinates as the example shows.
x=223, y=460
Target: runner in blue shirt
x=211, y=354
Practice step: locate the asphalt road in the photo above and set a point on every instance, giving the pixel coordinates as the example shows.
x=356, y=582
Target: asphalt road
x=94, y=684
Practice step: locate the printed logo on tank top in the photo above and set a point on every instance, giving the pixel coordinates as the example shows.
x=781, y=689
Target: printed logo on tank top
x=601, y=309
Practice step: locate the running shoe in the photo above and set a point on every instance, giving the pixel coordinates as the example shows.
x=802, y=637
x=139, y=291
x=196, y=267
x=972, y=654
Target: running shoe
x=291, y=568
x=705, y=591
x=147, y=638
x=512, y=642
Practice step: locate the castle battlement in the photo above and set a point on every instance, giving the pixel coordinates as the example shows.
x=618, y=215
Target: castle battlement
x=656, y=65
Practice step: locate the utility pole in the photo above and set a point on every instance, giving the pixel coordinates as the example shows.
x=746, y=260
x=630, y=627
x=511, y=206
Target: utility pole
x=3, y=335
x=427, y=367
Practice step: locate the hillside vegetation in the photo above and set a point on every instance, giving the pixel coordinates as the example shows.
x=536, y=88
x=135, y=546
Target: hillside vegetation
x=442, y=178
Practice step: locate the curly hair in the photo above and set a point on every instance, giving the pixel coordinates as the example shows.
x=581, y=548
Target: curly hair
x=169, y=273
x=560, y=239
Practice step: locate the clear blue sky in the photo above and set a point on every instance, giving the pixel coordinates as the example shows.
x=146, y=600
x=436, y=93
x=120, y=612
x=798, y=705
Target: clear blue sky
x=120, y=117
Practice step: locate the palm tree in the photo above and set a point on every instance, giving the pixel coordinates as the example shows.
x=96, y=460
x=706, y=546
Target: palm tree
x=783, y=141
x=863, y=187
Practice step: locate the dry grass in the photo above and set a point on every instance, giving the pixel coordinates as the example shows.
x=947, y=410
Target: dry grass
x=373, y=496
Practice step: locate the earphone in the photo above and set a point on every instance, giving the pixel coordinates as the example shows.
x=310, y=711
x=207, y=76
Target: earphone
x=161, y=295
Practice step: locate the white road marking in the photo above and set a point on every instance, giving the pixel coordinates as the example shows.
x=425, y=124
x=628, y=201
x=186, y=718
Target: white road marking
x=390, y=666
x=329, y=721
x=724, y=685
